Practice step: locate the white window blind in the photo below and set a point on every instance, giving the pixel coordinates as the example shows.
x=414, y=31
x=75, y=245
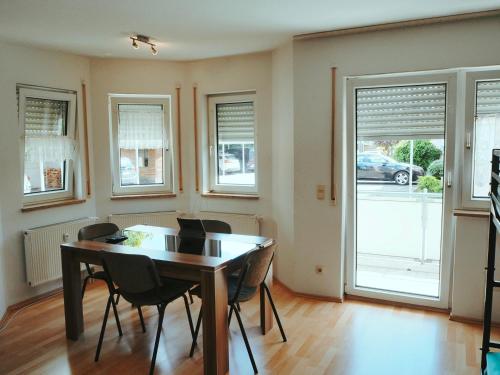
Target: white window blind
x=235, y=122
x=140, y=126
x=45, y=130
x=409, y=112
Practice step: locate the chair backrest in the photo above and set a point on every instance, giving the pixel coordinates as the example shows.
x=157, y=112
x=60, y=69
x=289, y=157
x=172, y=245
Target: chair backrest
x=97, y=230
x=132, y=273
x=256, y=265
x=217, y=226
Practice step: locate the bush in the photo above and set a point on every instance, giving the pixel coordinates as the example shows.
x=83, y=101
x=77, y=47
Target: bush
x=424, y=153
x=431, y=183
x=436, y=169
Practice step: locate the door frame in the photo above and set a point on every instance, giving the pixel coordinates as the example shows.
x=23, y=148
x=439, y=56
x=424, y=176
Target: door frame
x=400, y=79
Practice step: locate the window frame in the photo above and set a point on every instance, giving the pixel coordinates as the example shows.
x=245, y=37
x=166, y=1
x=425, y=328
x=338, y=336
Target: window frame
x=167, y=151
x=471, y=78
x=50, y=94
x=228, y=98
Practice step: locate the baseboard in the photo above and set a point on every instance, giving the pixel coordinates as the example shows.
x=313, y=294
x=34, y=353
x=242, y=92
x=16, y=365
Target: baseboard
x=463, y=319
x=396, y=304
x=307, y=295
x=12, y=309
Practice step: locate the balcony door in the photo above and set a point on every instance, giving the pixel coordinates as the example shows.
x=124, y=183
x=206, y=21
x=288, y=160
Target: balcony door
x=400, y=181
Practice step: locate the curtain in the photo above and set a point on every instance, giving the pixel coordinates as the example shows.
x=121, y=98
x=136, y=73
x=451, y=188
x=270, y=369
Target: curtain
x=45, y=139
x=140, y=126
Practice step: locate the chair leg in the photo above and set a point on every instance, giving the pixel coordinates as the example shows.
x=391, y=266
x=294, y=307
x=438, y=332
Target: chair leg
x=230, y=315
x=115, y=311
x=190, y=296
x=85, y=281
x=238, y=306
x=141, y=318
x=103, y=328
x=188, y=312
x=117, y=299
x=245, y=338
x=268, y=292
x=158, y=333
x=196, y=331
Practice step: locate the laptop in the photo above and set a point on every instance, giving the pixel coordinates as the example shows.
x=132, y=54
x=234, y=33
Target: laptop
x=191, y=228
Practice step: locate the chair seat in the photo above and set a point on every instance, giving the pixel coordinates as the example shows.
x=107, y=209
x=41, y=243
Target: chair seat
x=169, y=291
x=492, y=363
x=99, y=275
x=246, y=293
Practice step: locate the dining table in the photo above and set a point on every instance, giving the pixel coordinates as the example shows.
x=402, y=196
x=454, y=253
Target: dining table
x=206, y=260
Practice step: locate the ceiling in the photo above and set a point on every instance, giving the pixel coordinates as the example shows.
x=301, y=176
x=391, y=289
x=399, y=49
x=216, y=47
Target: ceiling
x=196, y=29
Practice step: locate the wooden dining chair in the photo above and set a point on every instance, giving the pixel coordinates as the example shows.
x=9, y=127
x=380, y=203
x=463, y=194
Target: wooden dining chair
x=242, y=288
x=138, y=282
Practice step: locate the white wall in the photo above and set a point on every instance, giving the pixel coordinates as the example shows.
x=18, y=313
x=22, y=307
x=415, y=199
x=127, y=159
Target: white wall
x=43, y=68
x=471, y=43
x=134, y=77
x=226, y=75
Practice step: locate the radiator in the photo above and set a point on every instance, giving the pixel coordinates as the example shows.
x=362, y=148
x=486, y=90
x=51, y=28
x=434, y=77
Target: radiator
x=240, y=223
x=43, y=252
x=159, y=219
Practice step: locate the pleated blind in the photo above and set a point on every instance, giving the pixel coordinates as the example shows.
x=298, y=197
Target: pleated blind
x=487, y=97
x=235, y=122
x=408, y=112
x=45, y=116
x=140, y=126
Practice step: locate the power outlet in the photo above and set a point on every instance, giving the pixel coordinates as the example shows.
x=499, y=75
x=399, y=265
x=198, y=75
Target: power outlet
x=318, y=269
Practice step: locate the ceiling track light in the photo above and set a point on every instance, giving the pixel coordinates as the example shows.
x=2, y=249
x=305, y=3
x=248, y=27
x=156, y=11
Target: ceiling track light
x=143, y=39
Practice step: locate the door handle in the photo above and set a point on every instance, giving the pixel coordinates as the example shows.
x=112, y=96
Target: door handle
x=448, y=179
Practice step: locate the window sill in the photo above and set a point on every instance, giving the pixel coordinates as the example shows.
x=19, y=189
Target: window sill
x=229, y=195
x=43, y=206
x=142, y=196
x=471, y=213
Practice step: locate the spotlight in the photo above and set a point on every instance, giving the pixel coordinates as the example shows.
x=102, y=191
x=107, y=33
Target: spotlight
x=143, y=39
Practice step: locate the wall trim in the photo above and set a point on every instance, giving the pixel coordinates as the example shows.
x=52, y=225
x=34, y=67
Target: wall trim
x=352, y=297
x=307, y=295
x=12, y=310
x=465, y=320
x=399, y=25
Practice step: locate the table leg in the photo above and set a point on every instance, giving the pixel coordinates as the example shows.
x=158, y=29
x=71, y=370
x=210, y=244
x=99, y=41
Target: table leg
x=73, y=309
x=215, y=329
x=266, y=313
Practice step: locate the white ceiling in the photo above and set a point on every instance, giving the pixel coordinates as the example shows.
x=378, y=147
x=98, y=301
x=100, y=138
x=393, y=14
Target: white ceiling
x=195, y=29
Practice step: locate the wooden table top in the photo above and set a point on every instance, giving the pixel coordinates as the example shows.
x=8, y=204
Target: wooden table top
x=163, y=245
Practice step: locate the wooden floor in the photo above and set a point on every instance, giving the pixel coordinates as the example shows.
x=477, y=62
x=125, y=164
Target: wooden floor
x=353, y=338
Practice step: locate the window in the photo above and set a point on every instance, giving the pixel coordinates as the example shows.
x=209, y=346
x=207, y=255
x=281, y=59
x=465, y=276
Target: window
x=47, y=120
x=142, y=155
x=482, y=134
x=233, y=149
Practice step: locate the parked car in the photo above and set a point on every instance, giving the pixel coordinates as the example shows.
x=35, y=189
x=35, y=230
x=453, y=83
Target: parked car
x=378, y=167
x=228, y=164
x=128, y=173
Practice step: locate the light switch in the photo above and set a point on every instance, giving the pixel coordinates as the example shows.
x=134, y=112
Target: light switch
x=320, y=192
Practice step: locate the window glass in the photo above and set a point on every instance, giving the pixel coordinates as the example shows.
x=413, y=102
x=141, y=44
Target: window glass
x=141, y=143
x=46, y=145
x=235, y=127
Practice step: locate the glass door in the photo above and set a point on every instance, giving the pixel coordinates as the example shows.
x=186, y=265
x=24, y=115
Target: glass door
x=400, y=182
